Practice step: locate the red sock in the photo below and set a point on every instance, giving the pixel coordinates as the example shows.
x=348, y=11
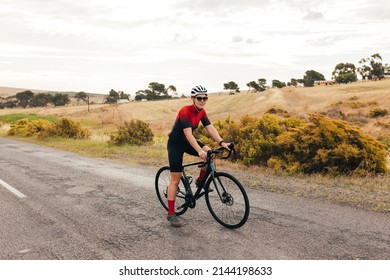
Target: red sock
x=171, y=207
x=201, y=174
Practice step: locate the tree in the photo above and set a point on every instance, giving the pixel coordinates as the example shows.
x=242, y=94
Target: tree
x=151, y=95
x=311, y=76
x=41, y=100
x=157, y=88
x=387, y=69
x=262, y=84
x=123, y=95
x=139, y=95
x=11, y=103
x=60, y=99
x=232, y=87
x=81, y=96
x=171, y=89
x=253, y=85
x=24, y=98
x=278, y=84
x=158, y=91
x=112, y=97
x=344, y=73
x=372, y=67
x=293, y=82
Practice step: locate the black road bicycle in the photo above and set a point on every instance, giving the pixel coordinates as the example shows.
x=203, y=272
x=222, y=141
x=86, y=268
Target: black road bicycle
x=225, y=197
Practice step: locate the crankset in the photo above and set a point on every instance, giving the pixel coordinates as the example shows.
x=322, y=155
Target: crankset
x=190, y=201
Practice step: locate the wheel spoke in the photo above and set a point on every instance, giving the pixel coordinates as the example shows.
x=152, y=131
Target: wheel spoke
x=162, y=180
x=229, y=203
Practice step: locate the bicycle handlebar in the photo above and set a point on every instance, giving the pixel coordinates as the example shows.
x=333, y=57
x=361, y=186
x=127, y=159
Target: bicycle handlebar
x=217, y=151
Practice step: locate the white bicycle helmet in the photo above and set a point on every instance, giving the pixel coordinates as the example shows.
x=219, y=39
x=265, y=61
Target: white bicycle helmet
x=198, y=90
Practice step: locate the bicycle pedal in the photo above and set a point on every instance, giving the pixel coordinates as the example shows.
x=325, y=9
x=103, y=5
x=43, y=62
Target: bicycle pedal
x=203, y=193
x=181, y=207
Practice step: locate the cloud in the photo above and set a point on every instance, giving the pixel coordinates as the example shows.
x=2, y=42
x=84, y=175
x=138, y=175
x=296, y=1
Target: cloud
x=326, y=39
x=252, y=41
x=217, y=6
x=240, y=39
x=313, y=15
x=374, y=12
x=237, y=39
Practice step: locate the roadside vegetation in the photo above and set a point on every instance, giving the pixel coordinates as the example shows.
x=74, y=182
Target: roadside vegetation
x=42, y=128
x=336, y=151
x=318, y=145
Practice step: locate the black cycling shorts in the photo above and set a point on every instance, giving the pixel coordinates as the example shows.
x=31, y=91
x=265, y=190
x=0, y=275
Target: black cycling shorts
x=176, y=152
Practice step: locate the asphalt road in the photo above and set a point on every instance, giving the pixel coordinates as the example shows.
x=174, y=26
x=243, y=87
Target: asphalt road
x=79, y=208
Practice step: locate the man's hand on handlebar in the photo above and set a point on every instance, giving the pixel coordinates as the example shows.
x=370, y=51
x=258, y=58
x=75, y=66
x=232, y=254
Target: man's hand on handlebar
x=203, y=155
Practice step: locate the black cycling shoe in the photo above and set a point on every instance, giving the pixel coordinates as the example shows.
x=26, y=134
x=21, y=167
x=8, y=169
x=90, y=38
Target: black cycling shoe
x=173, y=219
x=198, y=183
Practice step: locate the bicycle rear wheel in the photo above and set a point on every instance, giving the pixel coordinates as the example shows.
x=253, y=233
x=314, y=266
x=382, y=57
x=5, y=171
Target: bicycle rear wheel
x=162, y=180
x=228, y=203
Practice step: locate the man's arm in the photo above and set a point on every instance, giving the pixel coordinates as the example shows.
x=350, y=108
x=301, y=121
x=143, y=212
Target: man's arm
x=191, y=139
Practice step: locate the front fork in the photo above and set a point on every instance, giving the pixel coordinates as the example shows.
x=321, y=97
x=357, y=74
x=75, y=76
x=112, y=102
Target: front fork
x=224, y=196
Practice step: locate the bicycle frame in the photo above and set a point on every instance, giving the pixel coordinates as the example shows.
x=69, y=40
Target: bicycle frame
x=190, y=197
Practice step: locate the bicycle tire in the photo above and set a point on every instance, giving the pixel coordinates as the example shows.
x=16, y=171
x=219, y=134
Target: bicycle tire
x=233, y=212
x=162, y=180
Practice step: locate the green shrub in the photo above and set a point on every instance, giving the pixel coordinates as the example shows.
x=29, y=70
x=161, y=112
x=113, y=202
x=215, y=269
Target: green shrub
x=67, y=128
x=377, y=112
x=43, y=128
x=228, y=129
x=19, y=128
x=135, y=132
x=324, y=145
x=27, y=128
x=255, y=138
x=321, y=145
x=37, y=127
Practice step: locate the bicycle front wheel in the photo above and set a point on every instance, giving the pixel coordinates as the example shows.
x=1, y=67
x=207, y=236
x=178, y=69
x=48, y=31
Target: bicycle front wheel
x=227, y=200
x=163, y=177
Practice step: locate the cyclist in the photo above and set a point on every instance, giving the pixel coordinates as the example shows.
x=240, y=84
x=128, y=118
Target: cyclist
x=181, y=140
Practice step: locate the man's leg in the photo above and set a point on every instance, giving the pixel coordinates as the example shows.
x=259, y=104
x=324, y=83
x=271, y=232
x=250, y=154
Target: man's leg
x=172, y=189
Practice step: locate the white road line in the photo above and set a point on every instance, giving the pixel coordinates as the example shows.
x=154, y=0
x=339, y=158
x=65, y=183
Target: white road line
x=12, y=189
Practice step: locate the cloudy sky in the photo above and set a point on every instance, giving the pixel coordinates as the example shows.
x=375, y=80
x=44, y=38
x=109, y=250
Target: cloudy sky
x=93, y=46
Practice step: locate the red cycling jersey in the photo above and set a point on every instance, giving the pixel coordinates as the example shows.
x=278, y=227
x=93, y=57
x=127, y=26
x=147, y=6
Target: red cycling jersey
x=188, y=116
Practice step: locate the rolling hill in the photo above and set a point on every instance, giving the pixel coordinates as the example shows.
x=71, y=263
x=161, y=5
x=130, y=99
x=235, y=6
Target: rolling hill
x=10, y=91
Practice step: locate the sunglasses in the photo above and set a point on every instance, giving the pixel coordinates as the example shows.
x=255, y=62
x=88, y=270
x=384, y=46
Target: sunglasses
x=201, y=98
